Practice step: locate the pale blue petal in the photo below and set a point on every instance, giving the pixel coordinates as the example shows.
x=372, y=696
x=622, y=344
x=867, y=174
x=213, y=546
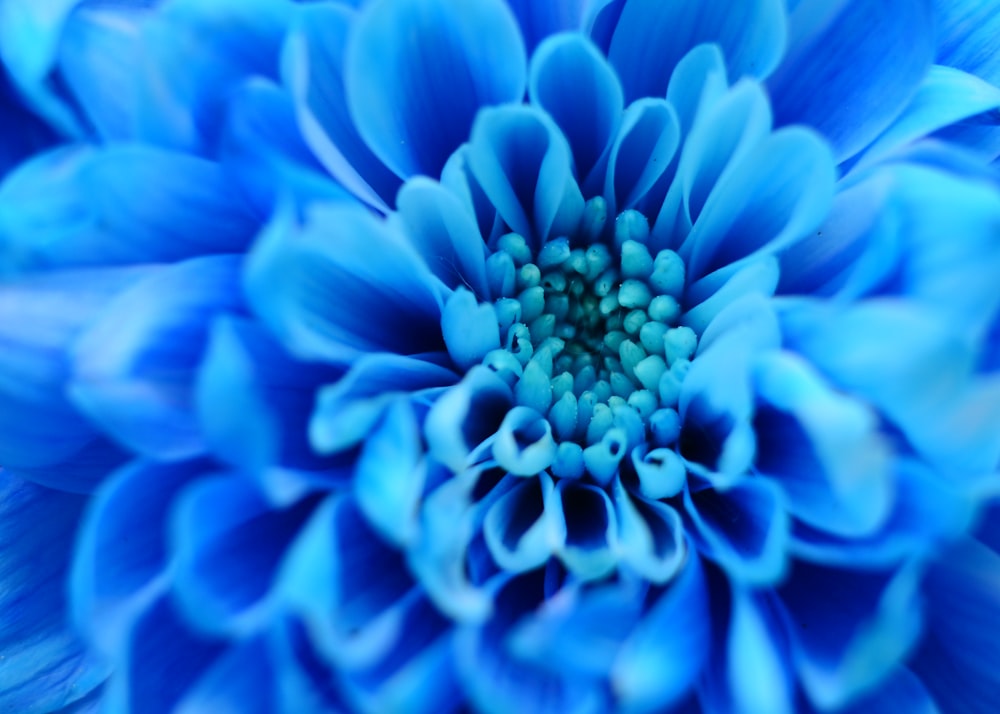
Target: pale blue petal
x=967, y=33
x=651, y=536
x=470, y=328
x=851, y=68
x=641, y=154
x=538, y=20
x=417, y=71
x=585, y=528
x=524, y=444
x=516, y=530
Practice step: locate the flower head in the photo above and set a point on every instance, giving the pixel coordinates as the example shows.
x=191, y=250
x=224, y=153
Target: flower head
x=622, y=369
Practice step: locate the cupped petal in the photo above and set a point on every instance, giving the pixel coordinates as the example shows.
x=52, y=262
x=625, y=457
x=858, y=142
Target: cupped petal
x=663, y=657
x=26, y=133
x=963, y=603
x=313, y=69
x=650, y=536
x=518, y=533
x=45, y=666
x=523, y=163
x=342, y=284
x=851, y=68
x=134, y=367
x=75, y=207
x=42, y=436
x=744, y=529
x=585, y=527
x=650, y=37
x=416, y=73
x=848, y=628
x=524, y=444
x=641, y=154
x=442, y=228
x=227, y=544
x=122, y=551
x=588, y=109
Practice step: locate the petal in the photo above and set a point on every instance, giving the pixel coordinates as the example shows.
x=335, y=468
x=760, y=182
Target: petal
x=900, y=692
x=524, y=445
x=651, y=535
x=744, y=529
x=79, y=207
x=313, y=70
x=848, y=628
x=641, y=153
x=516, y=530
x=851, y=68
x=470, y=328
x=651, y=37
x=953, y=660
x=44, y=665
x=585, y=527
x=227, y=544
x=523, y=163
x=134, y=368
x=946, y=96
x=241, y=680
x=122, y=551
x=588, y=109
x=417, y=71
x=26, y=133
x=967, y=32
x=699, y=79
x=365, y=290
x=444, y=231
x=660, y=661
x=539, y=20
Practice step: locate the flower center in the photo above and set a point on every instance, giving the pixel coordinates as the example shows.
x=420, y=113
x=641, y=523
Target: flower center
x=592, y=338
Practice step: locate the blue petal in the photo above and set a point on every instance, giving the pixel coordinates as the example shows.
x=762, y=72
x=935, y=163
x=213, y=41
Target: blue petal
x=262, y=149
x=515, y=528
x=524, y=445
x=41, y=435
x=254, y=402
x=660, y=661
x=848, y=628
x=79, y=207
x=699, y=79
x=651, y=37
x=641, y=153
x=523, y=163
x=122, y=551
x=954, y=661
x=967, y=37
x=391, y=473
x=161, y=661
x=313, y=69
x=25, y=134
x=470, y=328
x=417, y=71
x=365, y=290
x=945, y=97
x=538, y=20
x=744, y=529
x=588, y=109
x=443, y=230
x=227, y=544
x=44, y=665
x=851, y=68
x=134, y=367
x=242, y=679
x=585, y=529
x=902, y=692
x=347, y=410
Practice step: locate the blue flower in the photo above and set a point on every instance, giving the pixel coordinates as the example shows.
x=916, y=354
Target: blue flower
x=639, y=357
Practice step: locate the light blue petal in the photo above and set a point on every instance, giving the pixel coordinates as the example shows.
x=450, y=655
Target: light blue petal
x=699, y=79
x=650, y=535
x=470, y=328
x=902, y=691
x=851, y=68
x=342, y=284
x=524, y=444
x=823, y=448
x=122, y=551
x=41, y=435
x=744, y=529
x=313, y=70
x=79, y=207
x=44, y=665
x=347, y=410
x=848, y=628
x=583, y=522
x=967, y=37
x=523, y=164
x=588, y=109
x=652, y=36
x=443, y=229
x=417, y=71
x=134, y=368
x=660, y=662
x=466, y=416
x=516, y=529
x=946, y=96
x=227, y=543
x=641, y=154
x=391, y=473
x=954, y=659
